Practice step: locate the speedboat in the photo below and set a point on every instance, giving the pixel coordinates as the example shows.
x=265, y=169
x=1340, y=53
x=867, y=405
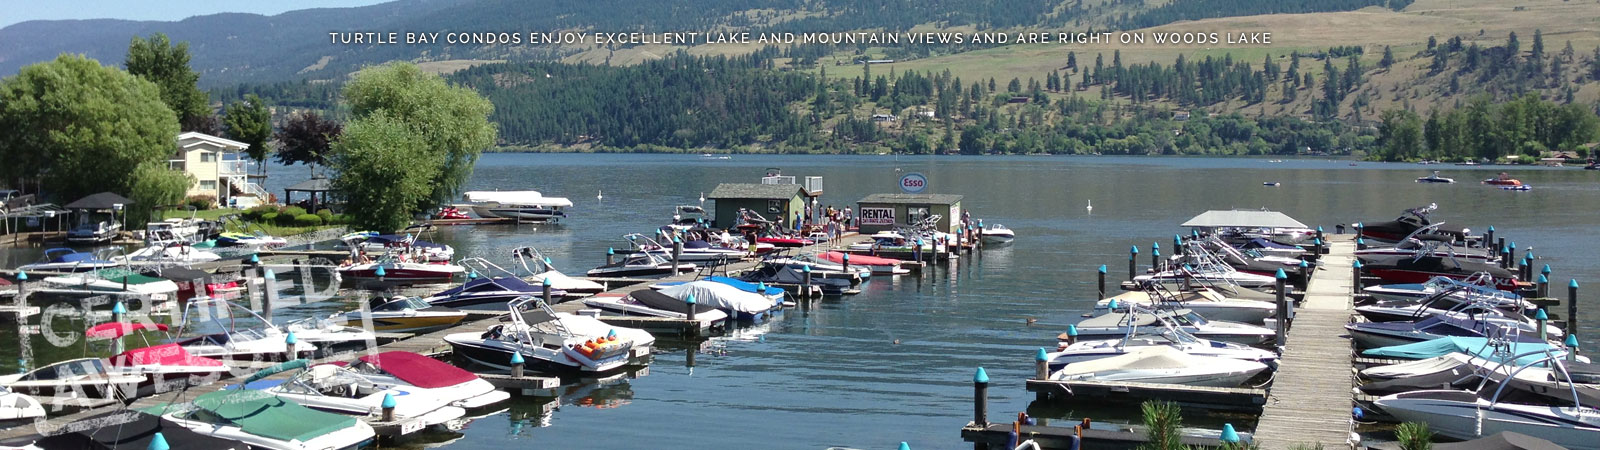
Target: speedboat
x=1422, y=268
x=170, y=254
x=173, y=230
x=893, y=241
x=1114, y=326
x=1410, y=221
x=694, y=250
x=794, y=279
x=263, y=420
x=1504, y=179
x=420, y=250
x=1214, y=273
x=647, y=265
x=488, y=293
x=738, y=303
x=998, y=234
x=1205, y=302
x=130, y=429
x=1268, y=247
x=1386, y=334
x=338, y=389
x=1163, y=333
x=257, y=240
x=74, y=378
x=229, y=339
x=1163, y=364
x=167, y=366
x=68, y=260
x=1459, y=301
x=883, y=266
x=1541, y=383
x=652, y=303
x=1464, y=414
x=542, y=270
x=16, y=407
x=534, y=333
x=325, y=332
x=1411, y=247
x=1412, y=292
x=115, y=280
x=1435, y=178
x=391, y=269
x=402, y=314
x=520, y=205
x=94, y=233
x=822, y=269
x=1483, y=347
x=465, y=389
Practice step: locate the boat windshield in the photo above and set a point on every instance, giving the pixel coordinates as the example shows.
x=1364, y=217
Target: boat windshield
x=403, y=304
x=1195, y=319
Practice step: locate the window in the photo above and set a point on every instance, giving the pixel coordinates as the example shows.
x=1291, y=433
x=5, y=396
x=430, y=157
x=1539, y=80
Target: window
x=208, y=184
x=774, y=206
x=208, y=157
x=915, y=214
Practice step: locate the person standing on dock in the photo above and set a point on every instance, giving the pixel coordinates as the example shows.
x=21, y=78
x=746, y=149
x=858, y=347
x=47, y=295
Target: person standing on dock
x=849, y=218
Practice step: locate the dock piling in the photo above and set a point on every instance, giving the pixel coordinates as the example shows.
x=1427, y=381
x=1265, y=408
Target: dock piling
x=1572, y=307
x=844, y=259
x=1102, y=276
x=269, y=286
x=1543, y=319
x=1488, y=237
x=1355, y=276
x=1155, y=259
x=1283, y=308
x=544, y=290
x=692, y=307
x=611, y=255
x=980, y=398
x=1572, y=347
x=677, y=254
x=517, y=365
x=117, y=313
x=1543, y=289
x=1511, y=256
x=388, y=407
x=1133, y=261
x=1041, y=363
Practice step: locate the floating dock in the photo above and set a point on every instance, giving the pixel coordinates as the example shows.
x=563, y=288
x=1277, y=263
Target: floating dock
x=1310, y=400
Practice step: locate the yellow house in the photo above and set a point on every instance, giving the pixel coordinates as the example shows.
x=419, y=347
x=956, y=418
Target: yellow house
x=218, y=168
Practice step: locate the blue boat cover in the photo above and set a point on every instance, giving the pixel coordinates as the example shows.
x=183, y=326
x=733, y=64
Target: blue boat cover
x=745, y=285
x=1470, y=345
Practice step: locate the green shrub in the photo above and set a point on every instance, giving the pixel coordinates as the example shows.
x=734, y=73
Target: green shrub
x=269, y=217
x=1414, y=436
x=201, y=201
x=326, y=215
x=341, y=219
x=285, y=218
x=307, y=220
x=294, y=211
x=254, y=213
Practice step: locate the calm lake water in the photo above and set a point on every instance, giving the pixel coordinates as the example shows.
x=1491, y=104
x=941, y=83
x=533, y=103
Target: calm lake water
x=830, y=373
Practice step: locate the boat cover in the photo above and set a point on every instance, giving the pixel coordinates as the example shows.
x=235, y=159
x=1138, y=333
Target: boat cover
x=776, y=274
x=1504, y=440
x=664, y=302
x=865, y=260
x=720, y=296
x=1462, y=377
x=177, y=274
x=133, y=430
x=746, y=286
x=1470, y=345
x=418, y=370
x=170, y=354
x=126, y=276
x=113, y=330
x=267, y=415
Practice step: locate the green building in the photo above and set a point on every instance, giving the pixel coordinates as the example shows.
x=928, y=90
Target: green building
x=883, y=212
x=772, y=201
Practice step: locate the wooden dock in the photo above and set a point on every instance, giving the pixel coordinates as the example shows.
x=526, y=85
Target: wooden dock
x=1247, y=400
x=1309, y=401
x=995, y=435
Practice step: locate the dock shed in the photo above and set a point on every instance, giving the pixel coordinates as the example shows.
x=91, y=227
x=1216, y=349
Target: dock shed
x=881, y=212
x=772, y=201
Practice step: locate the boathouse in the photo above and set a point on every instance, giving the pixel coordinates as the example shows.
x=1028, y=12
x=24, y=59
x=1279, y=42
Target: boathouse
x=882, y=212
x=771, y=201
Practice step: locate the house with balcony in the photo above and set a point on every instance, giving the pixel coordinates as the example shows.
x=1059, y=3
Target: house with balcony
x=219, y=167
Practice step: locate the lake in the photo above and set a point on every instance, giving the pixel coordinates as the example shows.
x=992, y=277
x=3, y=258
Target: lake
x=895, y=363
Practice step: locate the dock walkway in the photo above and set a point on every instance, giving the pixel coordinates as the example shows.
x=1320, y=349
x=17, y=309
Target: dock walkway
x=1310, y=400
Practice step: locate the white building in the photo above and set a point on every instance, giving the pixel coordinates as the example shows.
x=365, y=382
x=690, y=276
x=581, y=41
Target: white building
x=219, y=167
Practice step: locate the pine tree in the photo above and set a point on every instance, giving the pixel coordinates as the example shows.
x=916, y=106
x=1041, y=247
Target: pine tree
x=1072, y=58
x=1513, y=48
x=1388, y=58
x=1538, y=45
x=1432, y=42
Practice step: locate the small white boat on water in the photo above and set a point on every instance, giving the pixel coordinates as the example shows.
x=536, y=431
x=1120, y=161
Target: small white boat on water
x=16, y=407
x=94, y=233
x=114, y=280
x=233, y=332
x=1463, y=414
x=998, y=234
x=69, y=260
x=342, y=390
x=266, y=421
x=1435, y=178
x=520, y=205
x=169, y=254
x=1163, y=364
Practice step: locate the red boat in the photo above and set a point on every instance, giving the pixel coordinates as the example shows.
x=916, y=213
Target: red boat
x=1503, y=180
x=450, y=212
x=390, y=269
x=876, y=264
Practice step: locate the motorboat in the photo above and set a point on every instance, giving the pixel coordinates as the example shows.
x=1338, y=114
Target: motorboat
x=401, y=314
x=488, y=293
x=389, y=268
x=1205, y=302
x=115, y=281
x=694, y=250
x=542, y=270
x=738, y=303
x=820, y=268
x=1269, y=247
x=263, y=420
x=173, y=230
x=519, y=205
x=68, y=260
x=893, y=241
x=689, y=217
x=1165, y=365
x=1543, y=383
x=651, y=303
x=1466, y=414
x=327, y=332
x=1435, y=178
x=1162, y=334
x=534, y=333
x=1410, y=221
x=229, y=339
x=1386, y=334
x=166, y=366
x=1458, y=301
x=1412, y=247
x=1483, y=347
x=170, y=254
x=1114, y=326
x=1422, y=268
x=880, y=266
x=256, y=240
x=793, y=279
x=465, y=389
x=403, y=243
x=74, y=378
x=998, y=234
x=130, y=429
x=1475, y=284
x=1217, y=273
x=94, y=233
x=775, y=294
x=15, y=407
x=1519, y=187
x=1504, y=179
x=647, y=265
x=338, y=389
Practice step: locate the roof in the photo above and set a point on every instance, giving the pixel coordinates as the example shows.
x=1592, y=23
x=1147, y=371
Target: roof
x=756, y=191
x=1235, y=218
x=263, y=414
x=904, y=199
x=103, y=200
x=195, y=137
x=312, y=185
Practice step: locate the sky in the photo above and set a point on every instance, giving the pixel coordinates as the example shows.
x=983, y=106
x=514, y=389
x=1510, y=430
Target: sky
x=25, y=10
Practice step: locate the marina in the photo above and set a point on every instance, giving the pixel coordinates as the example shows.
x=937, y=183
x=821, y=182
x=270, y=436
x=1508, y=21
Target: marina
x=970, y=305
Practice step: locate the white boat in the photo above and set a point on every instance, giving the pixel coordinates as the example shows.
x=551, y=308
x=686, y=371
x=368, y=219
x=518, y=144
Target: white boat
x=1435, y=178
x=589, y=326
x=167, y=366
x=114, y=280
x=541, y=270
x=1478, y=284
x=169, y=254
x=172, y=230
x=647, y=265
x=650, y=303
x=1163, y=364
x=1113, y=326
x=229, y=339
x=1460, y=414
x=520, y=205
x=393, y=269
x=823, y=268
x=1203, y=301
x=342, y=390
x=1162, y=334
x=74, y=378
x=266, y=421
x=738, y=303
x=541, y=341
x=696, y=251
x=68, y=260
x=401, y=314
x=466, y=389
x=328, y=331
x=94, y=233
x=998, y=234
x=16, y=407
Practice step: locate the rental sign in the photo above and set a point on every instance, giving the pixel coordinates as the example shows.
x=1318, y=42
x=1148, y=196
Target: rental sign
x=876, y=216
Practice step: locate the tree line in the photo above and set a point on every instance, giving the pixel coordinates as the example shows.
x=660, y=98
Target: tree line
x=1483, y=130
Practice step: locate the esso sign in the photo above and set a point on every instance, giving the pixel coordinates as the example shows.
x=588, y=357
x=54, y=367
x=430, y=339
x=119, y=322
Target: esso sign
x=913, y=183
